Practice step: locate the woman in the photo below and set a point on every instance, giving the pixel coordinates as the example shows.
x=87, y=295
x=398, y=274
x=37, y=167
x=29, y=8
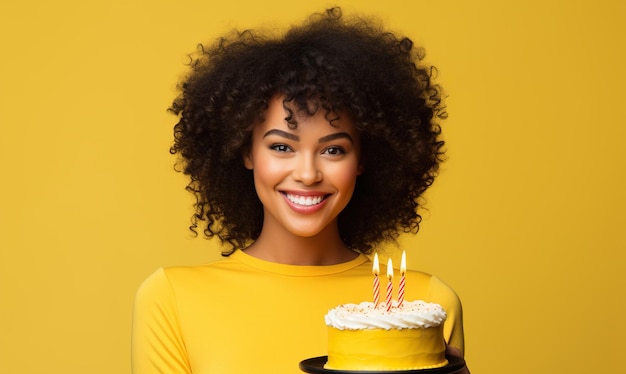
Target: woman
x=304, y=152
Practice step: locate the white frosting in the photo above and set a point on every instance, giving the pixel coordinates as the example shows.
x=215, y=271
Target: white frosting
x=412, y=315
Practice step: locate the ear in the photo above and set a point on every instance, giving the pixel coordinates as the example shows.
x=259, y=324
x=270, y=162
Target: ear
x=247, y=160
x=360, y=170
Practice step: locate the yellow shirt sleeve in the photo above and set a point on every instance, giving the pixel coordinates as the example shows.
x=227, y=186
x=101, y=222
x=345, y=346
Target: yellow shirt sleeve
x=453, y=327
x=157, y=342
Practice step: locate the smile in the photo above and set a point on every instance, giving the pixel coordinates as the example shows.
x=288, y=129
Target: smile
x=305, y=200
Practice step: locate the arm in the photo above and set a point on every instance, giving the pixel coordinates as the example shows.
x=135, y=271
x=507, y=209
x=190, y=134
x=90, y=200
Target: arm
x=453, y=327
x=157, y=342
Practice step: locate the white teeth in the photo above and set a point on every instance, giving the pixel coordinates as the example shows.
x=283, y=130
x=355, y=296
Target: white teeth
x=304, y=200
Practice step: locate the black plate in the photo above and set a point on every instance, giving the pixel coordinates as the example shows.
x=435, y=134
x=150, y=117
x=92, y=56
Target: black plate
x=315, y=365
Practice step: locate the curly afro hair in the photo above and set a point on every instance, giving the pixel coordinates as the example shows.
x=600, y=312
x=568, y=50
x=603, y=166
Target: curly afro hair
x=340, y=65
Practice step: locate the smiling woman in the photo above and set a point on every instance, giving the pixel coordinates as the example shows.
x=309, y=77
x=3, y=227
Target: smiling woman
x=329, y=65
x=304, y=153
x=304, y=176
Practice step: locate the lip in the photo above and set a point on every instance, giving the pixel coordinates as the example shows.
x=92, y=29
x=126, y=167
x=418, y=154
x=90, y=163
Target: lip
x=305, y=209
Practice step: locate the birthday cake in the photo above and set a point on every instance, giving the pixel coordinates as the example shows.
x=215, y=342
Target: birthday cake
x=373, y=337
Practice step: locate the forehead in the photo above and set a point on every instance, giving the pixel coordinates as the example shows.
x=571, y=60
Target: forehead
x=288, y=116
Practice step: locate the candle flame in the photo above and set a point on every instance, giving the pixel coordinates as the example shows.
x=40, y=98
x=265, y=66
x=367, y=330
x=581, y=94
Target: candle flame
x=389, y=269
x=376, y=268
x=403, y=263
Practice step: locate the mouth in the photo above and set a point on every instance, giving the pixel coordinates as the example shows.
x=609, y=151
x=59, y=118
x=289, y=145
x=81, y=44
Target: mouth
x=305, y=200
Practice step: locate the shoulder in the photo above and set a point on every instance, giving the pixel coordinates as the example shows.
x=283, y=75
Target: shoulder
x=170, y=279
x=156, y=283
x=433, y=289
x=441, y=289
x=417, y=275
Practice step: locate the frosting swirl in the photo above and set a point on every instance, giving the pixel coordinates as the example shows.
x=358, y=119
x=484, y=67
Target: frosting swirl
x=411, y=315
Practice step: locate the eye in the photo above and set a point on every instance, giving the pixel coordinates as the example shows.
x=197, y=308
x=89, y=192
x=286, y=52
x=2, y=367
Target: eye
x=334, y=150
x=281, y=148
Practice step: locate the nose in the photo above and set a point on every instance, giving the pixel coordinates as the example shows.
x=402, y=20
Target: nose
x=306, y=170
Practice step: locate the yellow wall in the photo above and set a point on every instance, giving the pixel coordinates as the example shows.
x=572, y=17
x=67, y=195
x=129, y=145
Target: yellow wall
x=525, y=221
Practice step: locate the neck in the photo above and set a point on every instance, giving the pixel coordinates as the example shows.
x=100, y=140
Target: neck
x=280, y=246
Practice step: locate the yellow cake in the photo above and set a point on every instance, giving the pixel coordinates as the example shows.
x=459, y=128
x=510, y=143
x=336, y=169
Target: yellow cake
x=362, y=337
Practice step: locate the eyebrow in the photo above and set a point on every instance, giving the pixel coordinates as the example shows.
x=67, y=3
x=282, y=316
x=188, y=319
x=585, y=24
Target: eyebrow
x=323, y=139
x=282, y=133
x=338, y=135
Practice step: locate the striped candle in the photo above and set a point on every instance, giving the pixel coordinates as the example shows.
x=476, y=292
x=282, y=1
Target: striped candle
x=389, y=285
x=402, y=279
x=376, y=271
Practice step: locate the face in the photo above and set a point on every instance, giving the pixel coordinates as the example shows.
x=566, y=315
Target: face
x=305, y=176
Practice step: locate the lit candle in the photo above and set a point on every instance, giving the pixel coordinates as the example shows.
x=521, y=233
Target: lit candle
x=402, y=279
x=389, y=285
x=376, y=271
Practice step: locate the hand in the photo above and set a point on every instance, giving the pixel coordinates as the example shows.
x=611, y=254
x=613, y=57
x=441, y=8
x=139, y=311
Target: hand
x=455, y=352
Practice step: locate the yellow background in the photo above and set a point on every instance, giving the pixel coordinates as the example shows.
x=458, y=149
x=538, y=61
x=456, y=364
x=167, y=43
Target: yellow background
x=525, y=221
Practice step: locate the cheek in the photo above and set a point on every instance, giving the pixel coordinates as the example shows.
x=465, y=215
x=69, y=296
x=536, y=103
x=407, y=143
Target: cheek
x=345, y=177
x=268, y=170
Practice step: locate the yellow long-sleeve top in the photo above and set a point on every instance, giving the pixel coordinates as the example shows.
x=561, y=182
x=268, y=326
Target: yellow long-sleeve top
x=245, y=315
